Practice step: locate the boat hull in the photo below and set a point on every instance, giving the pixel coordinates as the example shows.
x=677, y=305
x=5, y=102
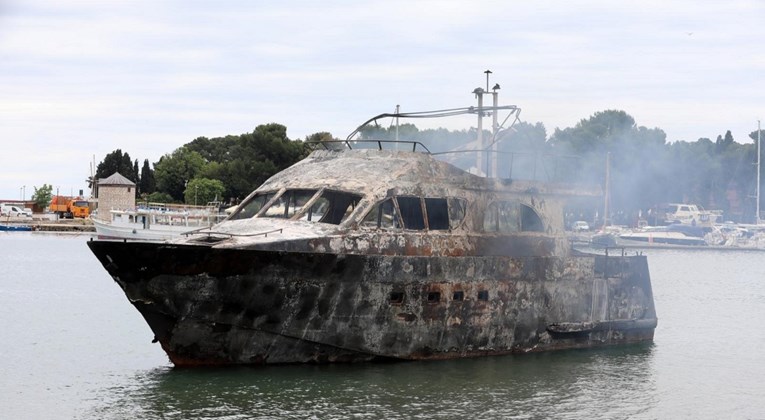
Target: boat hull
x=213, y=306
x=137, y=231
x=15, y=228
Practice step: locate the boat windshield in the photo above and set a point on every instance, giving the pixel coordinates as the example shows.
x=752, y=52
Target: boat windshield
x=330, y=206
x=288, y=204
x=251, y=207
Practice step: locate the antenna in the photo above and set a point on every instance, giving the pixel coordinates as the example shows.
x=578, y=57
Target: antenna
x=491, y=157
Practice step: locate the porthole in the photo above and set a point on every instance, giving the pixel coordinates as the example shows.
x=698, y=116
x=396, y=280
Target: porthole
x=396, y=297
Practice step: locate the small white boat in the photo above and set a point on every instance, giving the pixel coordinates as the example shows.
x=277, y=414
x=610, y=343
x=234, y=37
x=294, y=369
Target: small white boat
x=669, y=235
x=690, y=214
x=156, y=222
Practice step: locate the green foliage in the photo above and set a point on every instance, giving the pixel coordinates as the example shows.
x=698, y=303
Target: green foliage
x=320, y=136
x=116, y=161
x=201, y=191
x=159, y=197
x=148, y=183
x=214, y=150
x=43, y=195
x=244, y=162
x=174, y=171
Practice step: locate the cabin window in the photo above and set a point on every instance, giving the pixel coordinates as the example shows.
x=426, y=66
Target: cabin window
x=411, y=212
x=396, y=297
x=456, y=211
x=530, y=220
x=289, y=204
x=502, y=217
x=332, y=207
x=441, y=213
x=382, y=215
x=438, y=213
x=511, y=216
x=252, y=206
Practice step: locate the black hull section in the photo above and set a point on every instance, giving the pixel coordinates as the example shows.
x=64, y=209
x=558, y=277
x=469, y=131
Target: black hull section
x=210, y=306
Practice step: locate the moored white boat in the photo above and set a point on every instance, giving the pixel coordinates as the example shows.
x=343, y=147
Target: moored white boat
x=156, y=222
x=690, y=214
x=665, y=235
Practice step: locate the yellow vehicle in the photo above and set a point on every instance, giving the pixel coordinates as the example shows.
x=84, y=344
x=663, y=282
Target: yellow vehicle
x=69, y=207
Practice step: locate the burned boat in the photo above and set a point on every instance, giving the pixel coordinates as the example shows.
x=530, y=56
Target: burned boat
x=357, y=254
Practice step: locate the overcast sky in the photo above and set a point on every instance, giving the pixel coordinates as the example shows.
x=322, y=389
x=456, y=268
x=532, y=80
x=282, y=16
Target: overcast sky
x=80, y=79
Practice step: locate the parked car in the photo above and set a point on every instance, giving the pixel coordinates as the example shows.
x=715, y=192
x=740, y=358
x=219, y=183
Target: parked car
x=14, y=210
x=580, y=226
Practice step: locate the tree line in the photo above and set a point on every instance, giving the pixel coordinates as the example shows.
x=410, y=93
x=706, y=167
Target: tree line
x=645, y=169
x=222, y=169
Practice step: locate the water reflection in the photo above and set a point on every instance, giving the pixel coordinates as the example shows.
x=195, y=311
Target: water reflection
x=606, y=383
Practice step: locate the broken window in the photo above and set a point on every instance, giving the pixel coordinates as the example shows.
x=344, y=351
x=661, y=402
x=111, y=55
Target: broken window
x=456, y=211
x=252, y=206
x=289, y=203
x=332, y=207
x=438, y=213
x=530, y=220
x=411, y=212
x=382, y=215
x=458, y=295
x=511, y=216
x=442, y=213
x=434, y=297
x=502, y=217
x=483, y=295
x=341, y=205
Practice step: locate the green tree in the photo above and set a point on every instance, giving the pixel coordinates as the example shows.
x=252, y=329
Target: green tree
x=43, y=195
x=320, y=136
x=174, y=171
x=214, y=150
x=256, y=157
x=113, y=162
x=159, y=197
x=201, y=191
x=147, y=184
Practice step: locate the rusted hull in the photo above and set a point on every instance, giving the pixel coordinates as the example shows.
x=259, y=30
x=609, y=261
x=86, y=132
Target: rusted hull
x=232, y=306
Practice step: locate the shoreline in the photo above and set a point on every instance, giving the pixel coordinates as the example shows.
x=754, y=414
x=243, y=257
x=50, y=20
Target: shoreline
x=43, y=223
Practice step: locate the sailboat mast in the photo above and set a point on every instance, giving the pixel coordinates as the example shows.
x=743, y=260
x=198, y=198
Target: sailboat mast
x=607, y=194
x=757, y=212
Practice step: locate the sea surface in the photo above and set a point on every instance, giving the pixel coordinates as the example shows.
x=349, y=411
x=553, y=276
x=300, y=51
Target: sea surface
x=72, y=347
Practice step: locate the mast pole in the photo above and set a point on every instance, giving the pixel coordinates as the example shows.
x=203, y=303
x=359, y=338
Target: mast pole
x=494, y=129
x=607, y=195
x=479, y=140
x=757, y=212
x=397, y=111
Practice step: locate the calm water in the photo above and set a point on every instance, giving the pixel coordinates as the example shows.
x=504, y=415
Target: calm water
x=73, y=347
